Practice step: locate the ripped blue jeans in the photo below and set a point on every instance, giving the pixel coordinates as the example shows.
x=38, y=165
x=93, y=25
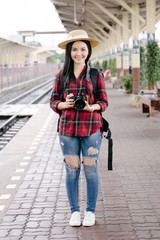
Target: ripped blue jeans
x=86, y=147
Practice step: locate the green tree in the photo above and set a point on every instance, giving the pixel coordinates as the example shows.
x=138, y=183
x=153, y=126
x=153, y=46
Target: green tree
x=56, y=57
x=113, y=67
x=127, y=83
x=142, y=67
x=104, y=65
x=152, y=63
x=110, y=63
x=96, y=64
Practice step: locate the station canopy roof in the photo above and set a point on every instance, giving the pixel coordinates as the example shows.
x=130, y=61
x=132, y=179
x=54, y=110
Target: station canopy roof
x=100, y=16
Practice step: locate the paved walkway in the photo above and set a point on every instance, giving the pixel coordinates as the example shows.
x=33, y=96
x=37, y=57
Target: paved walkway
x=128, y=206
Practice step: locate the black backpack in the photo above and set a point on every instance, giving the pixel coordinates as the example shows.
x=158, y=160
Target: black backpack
x=94, y=74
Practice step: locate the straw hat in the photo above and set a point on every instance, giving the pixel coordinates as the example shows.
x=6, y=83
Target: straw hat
x=77, y=35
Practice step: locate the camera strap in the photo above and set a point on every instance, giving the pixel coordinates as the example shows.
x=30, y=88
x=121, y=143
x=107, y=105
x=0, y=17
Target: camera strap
x=88, y=73
x=87, y=78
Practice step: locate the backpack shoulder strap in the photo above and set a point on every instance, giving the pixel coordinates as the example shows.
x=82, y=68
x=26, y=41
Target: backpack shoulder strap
x=94, y=74
x=94, y=77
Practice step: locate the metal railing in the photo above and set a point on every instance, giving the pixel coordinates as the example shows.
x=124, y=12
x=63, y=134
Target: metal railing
x=16, y=74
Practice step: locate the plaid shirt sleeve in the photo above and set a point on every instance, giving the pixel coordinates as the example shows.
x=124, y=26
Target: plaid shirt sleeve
x=101, y=99
x=55, y=96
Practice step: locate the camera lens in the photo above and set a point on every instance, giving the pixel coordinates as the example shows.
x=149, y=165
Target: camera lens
x=79, y=104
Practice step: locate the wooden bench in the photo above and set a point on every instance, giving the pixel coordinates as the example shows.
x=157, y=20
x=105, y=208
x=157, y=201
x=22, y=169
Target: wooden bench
x=150, y=100
x=150, y=105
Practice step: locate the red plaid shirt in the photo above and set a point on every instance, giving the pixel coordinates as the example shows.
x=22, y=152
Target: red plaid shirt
x=74, y=122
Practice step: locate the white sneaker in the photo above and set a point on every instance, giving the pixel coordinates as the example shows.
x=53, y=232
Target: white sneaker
x=89, y=219
x=75, y=219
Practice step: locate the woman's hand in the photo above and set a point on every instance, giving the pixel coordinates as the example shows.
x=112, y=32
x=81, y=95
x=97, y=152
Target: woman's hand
x=91, y=108
x=88, y=108
x=69, y=103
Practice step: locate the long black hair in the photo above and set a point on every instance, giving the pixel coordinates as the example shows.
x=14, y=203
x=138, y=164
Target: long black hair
x=67, y=70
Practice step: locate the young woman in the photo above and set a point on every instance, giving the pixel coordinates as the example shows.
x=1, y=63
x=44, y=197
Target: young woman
x=80, y=127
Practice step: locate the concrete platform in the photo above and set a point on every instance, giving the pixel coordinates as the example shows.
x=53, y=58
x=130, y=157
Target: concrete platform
x=19, y=109
x=128, y=206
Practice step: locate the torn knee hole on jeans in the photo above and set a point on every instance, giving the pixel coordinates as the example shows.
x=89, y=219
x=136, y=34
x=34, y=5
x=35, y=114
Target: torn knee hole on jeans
x=92, y=151
x=72, y=161
x=89, y=161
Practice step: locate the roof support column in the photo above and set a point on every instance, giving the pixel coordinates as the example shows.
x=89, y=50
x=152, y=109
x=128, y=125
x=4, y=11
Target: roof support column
x=125, y=20
x=113, y=44
x=150, y=15
x=118, y=54
x=136, y=50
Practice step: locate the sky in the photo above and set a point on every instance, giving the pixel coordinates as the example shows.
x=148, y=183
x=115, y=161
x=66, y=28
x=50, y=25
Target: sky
x=36, y=15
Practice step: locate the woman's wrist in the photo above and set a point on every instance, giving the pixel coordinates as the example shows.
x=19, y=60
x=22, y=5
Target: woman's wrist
x=91, y=108
x=61, y=106
x=95, y=107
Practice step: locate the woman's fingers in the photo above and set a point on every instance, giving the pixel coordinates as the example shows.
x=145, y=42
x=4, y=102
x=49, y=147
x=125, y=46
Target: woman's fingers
x=69, y=100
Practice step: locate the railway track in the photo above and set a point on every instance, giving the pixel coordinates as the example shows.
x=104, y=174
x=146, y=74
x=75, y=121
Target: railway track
x=10, y=128
x=11, y=124
x=34, y=95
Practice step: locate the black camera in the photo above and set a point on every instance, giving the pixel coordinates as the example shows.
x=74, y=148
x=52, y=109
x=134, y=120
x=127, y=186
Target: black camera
x=80, y=101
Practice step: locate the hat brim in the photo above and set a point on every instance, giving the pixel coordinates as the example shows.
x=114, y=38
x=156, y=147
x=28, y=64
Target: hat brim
x=92, y=41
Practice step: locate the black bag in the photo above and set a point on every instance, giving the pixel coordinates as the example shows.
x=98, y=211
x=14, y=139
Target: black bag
x=107, y=135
